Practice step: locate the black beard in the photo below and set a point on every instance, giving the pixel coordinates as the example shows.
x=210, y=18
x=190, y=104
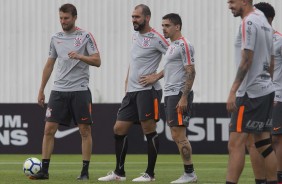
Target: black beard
x=140, y=26
x=239, y=13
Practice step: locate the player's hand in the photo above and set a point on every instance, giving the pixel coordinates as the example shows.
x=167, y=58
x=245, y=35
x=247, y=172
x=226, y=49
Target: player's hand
x=182, y=104
x=74, y=55
x=231, y=102
x=148, y=79
x=41, y=99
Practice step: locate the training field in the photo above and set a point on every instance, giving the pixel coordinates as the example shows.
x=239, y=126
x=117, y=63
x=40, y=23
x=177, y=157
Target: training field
x=65, y=168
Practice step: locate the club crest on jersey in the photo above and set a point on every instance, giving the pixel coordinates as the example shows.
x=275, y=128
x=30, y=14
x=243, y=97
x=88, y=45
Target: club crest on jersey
x=146, y=42
x=48, y=112
x=171, y=50
x=77, y=41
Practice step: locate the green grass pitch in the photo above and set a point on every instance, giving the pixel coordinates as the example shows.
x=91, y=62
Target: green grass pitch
x=65, y=168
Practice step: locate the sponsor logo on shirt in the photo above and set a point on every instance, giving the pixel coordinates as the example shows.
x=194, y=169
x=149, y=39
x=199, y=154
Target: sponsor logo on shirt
x=90, y=41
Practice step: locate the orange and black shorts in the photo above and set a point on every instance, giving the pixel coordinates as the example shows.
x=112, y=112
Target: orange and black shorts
x=140, y=106
x=253, y=114
x=67, y=107
x=277, y=118
x=173, y=117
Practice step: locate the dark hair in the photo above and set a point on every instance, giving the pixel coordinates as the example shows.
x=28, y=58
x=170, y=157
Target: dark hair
x=174, y=18
x=68, y=8
x=266, y=8
x=145, y=9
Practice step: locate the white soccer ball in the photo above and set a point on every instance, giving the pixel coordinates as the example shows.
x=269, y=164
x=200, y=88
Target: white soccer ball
x=31, y=166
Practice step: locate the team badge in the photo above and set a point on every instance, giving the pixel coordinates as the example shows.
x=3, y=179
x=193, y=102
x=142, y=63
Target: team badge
x=146, y=42
x=171, y=50
x=48, y=112
x=77, y=41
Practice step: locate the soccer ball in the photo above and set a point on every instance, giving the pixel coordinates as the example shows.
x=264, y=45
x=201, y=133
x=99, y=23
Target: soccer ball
x=31, y=166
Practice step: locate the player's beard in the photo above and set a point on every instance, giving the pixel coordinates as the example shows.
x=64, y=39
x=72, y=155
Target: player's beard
x=140, y=26
x=67, y=27
x=166, y=36
x=237, y=13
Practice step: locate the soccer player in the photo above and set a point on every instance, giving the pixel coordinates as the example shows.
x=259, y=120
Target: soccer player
x=74, y=50
x=179, y=74
x=141, y=102
x=251, y=95
x=269, y=12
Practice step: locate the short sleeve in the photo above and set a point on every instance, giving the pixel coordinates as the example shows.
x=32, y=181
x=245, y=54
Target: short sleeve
x=91, y=46
x=162, y=44
x=249, y=31
x=52, y=49
x=187, y=53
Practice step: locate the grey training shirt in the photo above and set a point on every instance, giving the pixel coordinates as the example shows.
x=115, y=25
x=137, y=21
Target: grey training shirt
x=146, y=54
x=71, y=74
x=180, y=53
x=255, y=34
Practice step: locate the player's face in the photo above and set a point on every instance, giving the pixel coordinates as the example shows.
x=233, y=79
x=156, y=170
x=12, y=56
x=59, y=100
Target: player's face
x=67, y=21
x=138, y=20
x=169, y=28
x=236, y=7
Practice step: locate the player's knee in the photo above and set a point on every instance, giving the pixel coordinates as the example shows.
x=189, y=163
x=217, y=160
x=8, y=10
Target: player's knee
x=276, y=140
x=119, y=129
x=234, y=145
x=85, y=131
x=264, y=146
x=148, y=126
x=49, y=131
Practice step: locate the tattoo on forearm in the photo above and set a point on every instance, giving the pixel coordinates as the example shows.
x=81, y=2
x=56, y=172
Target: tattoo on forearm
x=243, y=68
x=241, y=73
x=189, y=80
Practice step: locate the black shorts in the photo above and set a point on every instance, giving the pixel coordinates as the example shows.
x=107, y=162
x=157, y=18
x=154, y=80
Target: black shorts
x=277, y=119
x=174, y=118
x=65, y=107
x=253, y=114
x=140, y=106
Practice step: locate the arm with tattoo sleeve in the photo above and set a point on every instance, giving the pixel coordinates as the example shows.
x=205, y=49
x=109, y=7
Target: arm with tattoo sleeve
x=246, y=62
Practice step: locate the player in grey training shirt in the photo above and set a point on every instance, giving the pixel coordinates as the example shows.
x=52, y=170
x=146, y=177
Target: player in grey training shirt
x=179, y=74
x=257, y=160
x=276, y=130
x=251, y=95
x=141, y=102
x=73, y=50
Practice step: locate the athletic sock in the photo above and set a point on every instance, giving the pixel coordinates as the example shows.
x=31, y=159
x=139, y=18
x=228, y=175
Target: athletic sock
x=121, y=145
x=228, y=182
x=85, y=166
x=153, y=149
x=260, y=181
x=279, y=177
x=45, y=165
x=188, y=168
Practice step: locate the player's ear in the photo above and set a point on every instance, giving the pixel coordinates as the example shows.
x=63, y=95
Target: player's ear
x=178, y=27
x=148, y=17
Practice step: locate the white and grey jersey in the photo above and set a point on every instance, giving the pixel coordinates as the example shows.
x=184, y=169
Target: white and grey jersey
x=255, y=34
x=277, y=75
x=146, y=54
x=71, y=74
x=179, y=54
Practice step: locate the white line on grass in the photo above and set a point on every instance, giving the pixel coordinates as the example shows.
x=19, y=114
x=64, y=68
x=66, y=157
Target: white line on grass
x=110, y=163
